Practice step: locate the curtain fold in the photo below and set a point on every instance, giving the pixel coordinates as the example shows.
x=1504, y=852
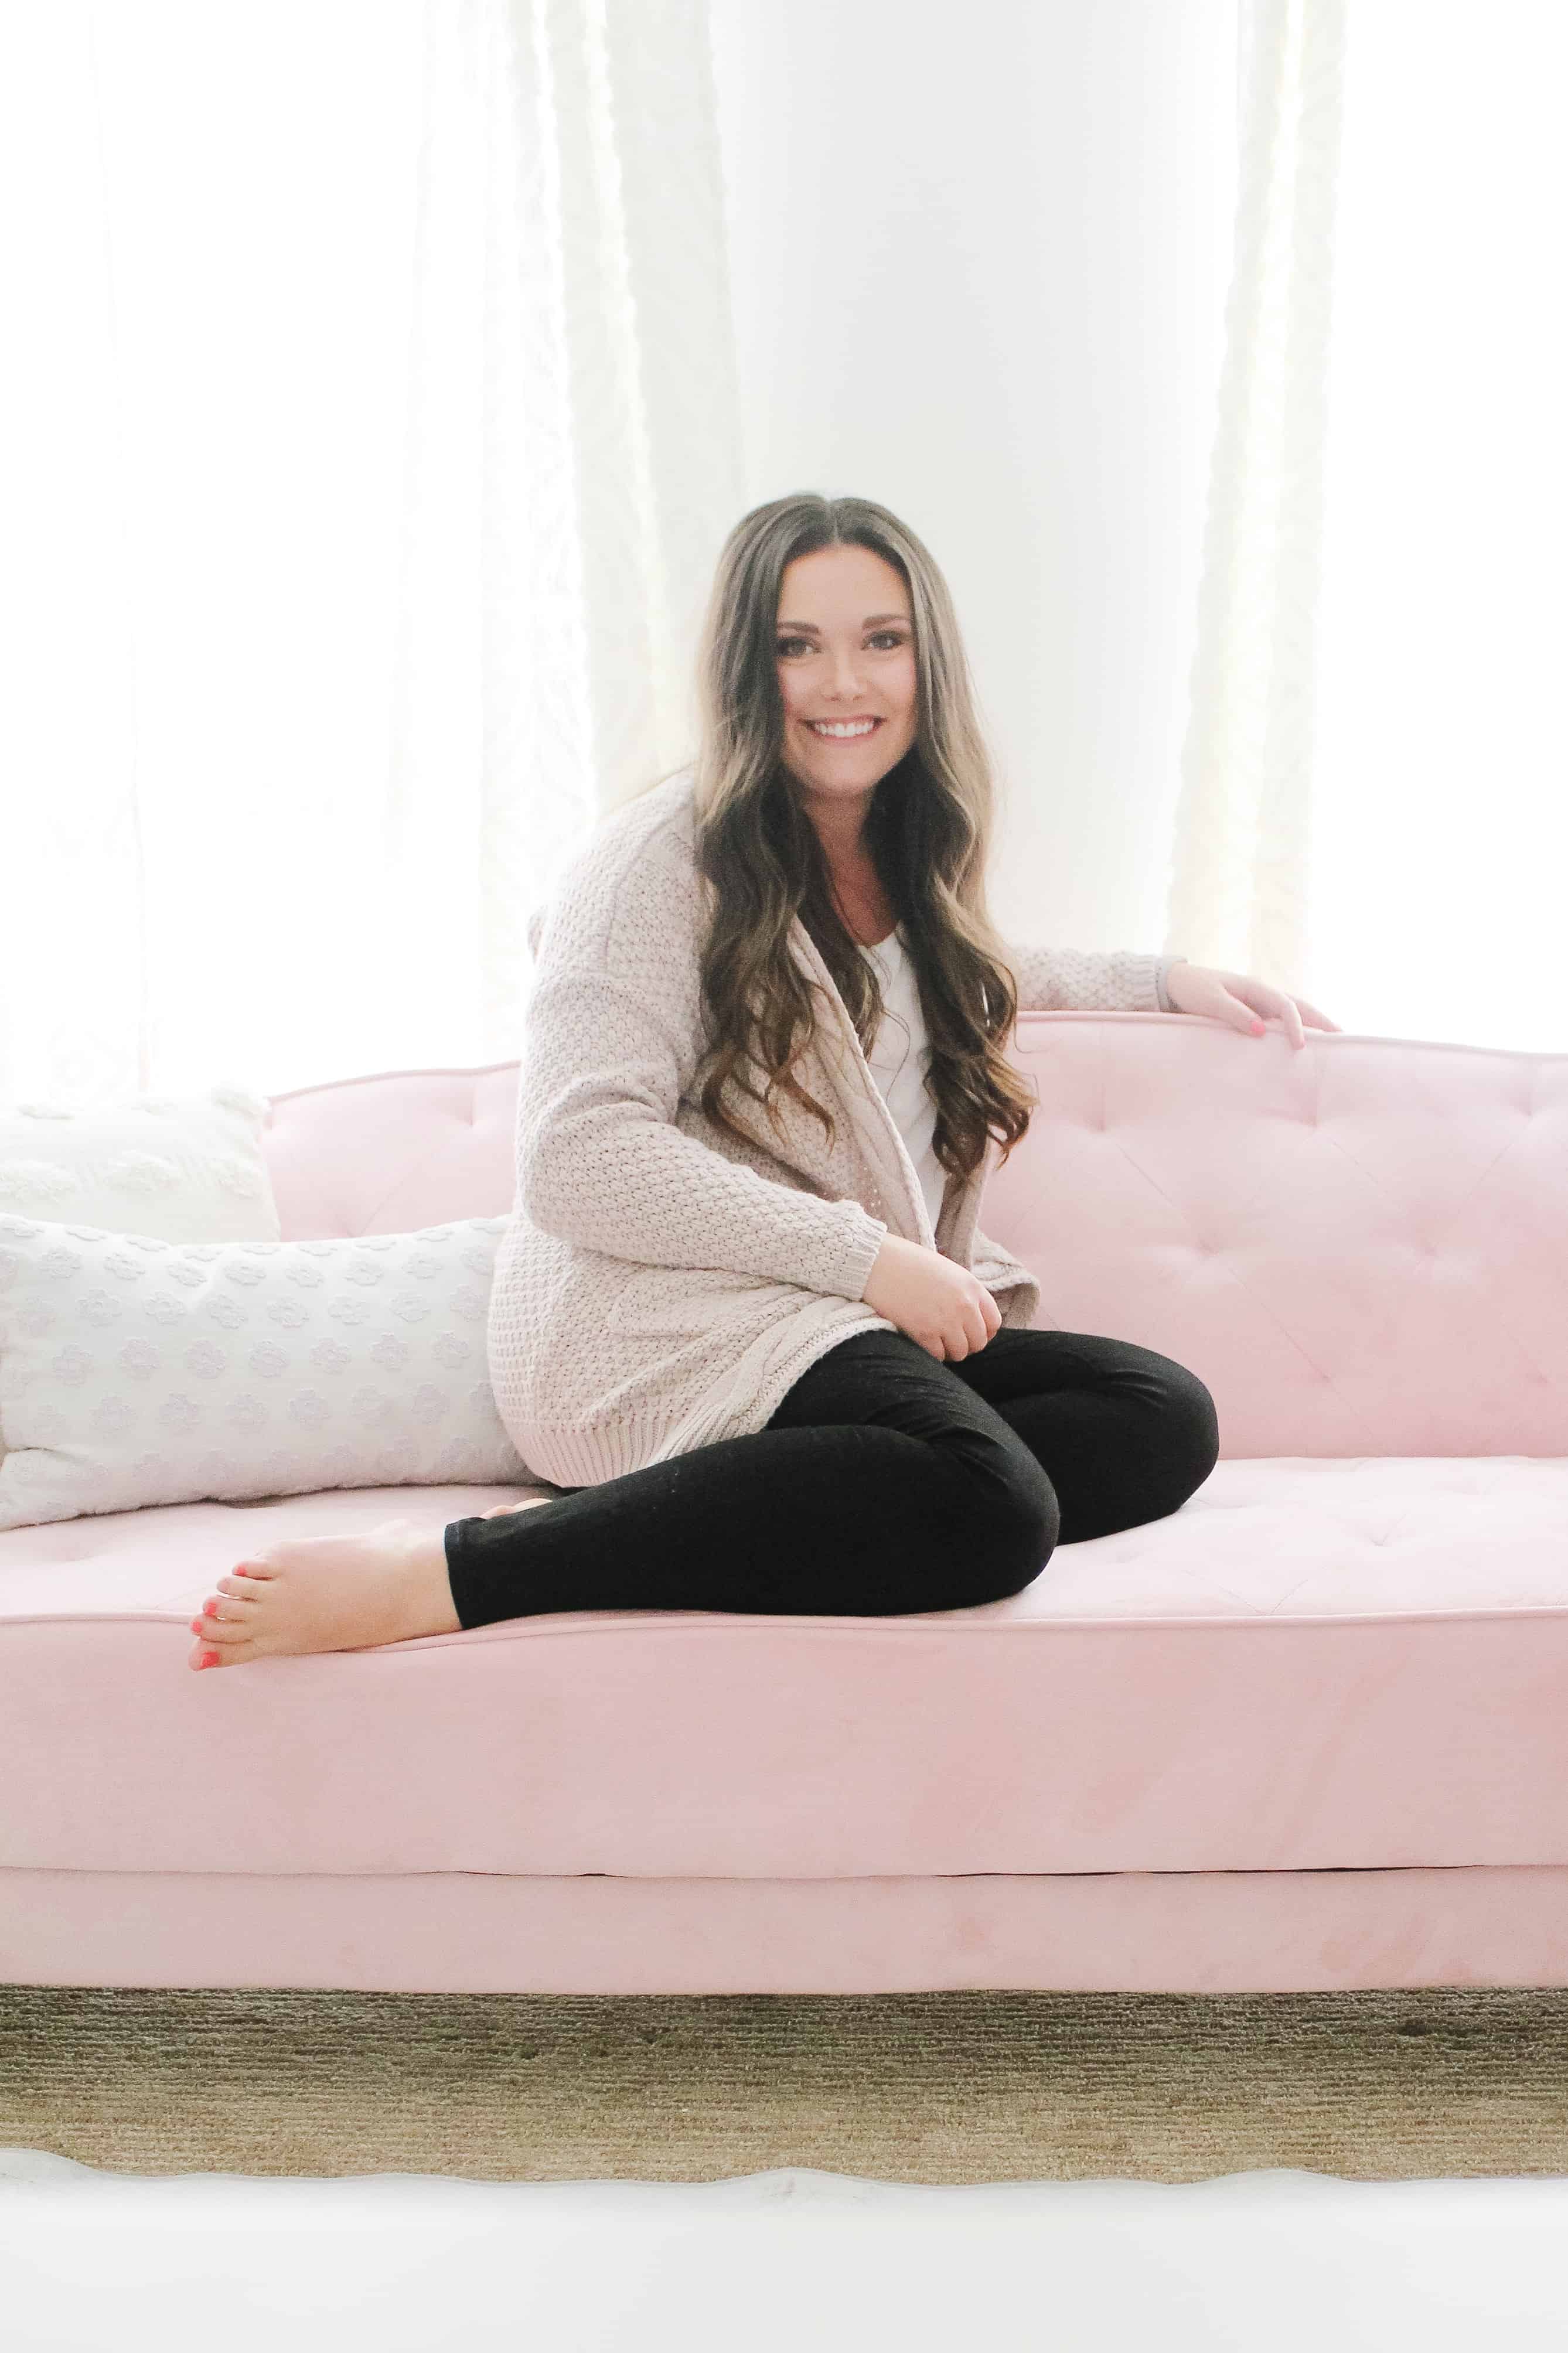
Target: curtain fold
x=378, y=435
x=1240, y=862
x=1374, y=806
x=571, y=212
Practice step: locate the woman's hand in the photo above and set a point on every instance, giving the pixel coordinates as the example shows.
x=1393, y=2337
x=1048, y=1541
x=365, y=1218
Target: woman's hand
x=1235, y=998
x=947, y=1310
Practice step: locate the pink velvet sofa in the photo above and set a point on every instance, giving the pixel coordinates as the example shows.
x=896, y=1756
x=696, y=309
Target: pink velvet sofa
x=1311, y=1731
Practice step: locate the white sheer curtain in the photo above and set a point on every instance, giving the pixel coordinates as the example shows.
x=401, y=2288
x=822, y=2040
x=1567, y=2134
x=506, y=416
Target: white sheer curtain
x=367, y=439
x=1374, y=807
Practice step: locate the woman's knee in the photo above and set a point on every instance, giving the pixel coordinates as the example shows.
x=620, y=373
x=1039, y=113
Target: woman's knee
x=1189, y=1426
x=1014, y=1530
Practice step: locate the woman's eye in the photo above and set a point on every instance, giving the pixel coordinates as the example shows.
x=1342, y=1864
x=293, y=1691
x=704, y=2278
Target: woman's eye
x=895, y=637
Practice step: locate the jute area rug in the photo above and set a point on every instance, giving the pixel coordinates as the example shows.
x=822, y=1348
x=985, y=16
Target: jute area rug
x=927, y=2087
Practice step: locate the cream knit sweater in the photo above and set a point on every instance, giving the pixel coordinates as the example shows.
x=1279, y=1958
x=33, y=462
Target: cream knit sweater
x=660, y=1286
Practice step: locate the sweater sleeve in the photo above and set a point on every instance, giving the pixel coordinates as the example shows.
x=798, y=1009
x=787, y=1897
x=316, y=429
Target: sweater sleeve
x=600, y=1162
x=1082, y=980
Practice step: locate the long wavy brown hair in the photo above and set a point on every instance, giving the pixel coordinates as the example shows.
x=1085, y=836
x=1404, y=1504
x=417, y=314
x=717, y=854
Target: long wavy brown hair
x=927, y=831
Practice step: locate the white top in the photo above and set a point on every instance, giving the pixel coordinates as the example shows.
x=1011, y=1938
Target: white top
x=898, y=1059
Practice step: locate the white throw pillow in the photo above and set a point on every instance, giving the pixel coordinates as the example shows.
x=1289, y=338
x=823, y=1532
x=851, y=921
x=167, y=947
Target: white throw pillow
x=136, y=1371
x=188, y=1168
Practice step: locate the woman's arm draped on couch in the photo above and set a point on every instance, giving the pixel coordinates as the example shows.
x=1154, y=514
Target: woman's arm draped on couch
x=1086, y=980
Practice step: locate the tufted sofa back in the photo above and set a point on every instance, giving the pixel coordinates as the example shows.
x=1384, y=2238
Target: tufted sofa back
x=1362, y=1248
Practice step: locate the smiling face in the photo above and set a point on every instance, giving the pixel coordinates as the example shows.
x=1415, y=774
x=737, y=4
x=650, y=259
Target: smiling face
x=844, y=649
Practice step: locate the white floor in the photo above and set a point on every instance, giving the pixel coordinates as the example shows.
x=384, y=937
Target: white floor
x=1271, y=2261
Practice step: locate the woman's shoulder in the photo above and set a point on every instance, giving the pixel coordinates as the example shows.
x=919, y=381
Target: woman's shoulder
x=632, y=884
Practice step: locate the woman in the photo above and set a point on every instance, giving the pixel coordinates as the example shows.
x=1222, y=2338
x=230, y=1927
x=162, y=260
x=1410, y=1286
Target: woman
x=743, y=1318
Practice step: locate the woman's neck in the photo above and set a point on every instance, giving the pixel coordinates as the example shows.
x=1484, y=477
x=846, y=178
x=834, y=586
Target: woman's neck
x=864, y=907
x=842, y=834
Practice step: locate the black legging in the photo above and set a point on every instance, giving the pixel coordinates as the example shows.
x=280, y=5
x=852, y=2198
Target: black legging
x=885, y=1482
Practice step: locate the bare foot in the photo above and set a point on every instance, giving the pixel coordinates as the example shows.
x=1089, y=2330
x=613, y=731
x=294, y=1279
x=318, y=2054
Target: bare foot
x=501, y=1509
x=329, y=1593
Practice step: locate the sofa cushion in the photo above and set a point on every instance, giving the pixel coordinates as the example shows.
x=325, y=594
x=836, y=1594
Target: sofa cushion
x=1362, y=1248
x=1330, y=1664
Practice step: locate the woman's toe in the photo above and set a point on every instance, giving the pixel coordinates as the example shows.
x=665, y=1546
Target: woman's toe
x=232, y=1605
x=229, y=1630
x=231, y=1651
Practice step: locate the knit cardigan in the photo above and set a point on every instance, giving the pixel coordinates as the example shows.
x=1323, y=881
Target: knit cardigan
x=660, y=1286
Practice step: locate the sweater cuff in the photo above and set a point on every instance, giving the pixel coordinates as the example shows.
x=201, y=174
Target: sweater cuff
x=1162, y=993
x=861, y=1252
